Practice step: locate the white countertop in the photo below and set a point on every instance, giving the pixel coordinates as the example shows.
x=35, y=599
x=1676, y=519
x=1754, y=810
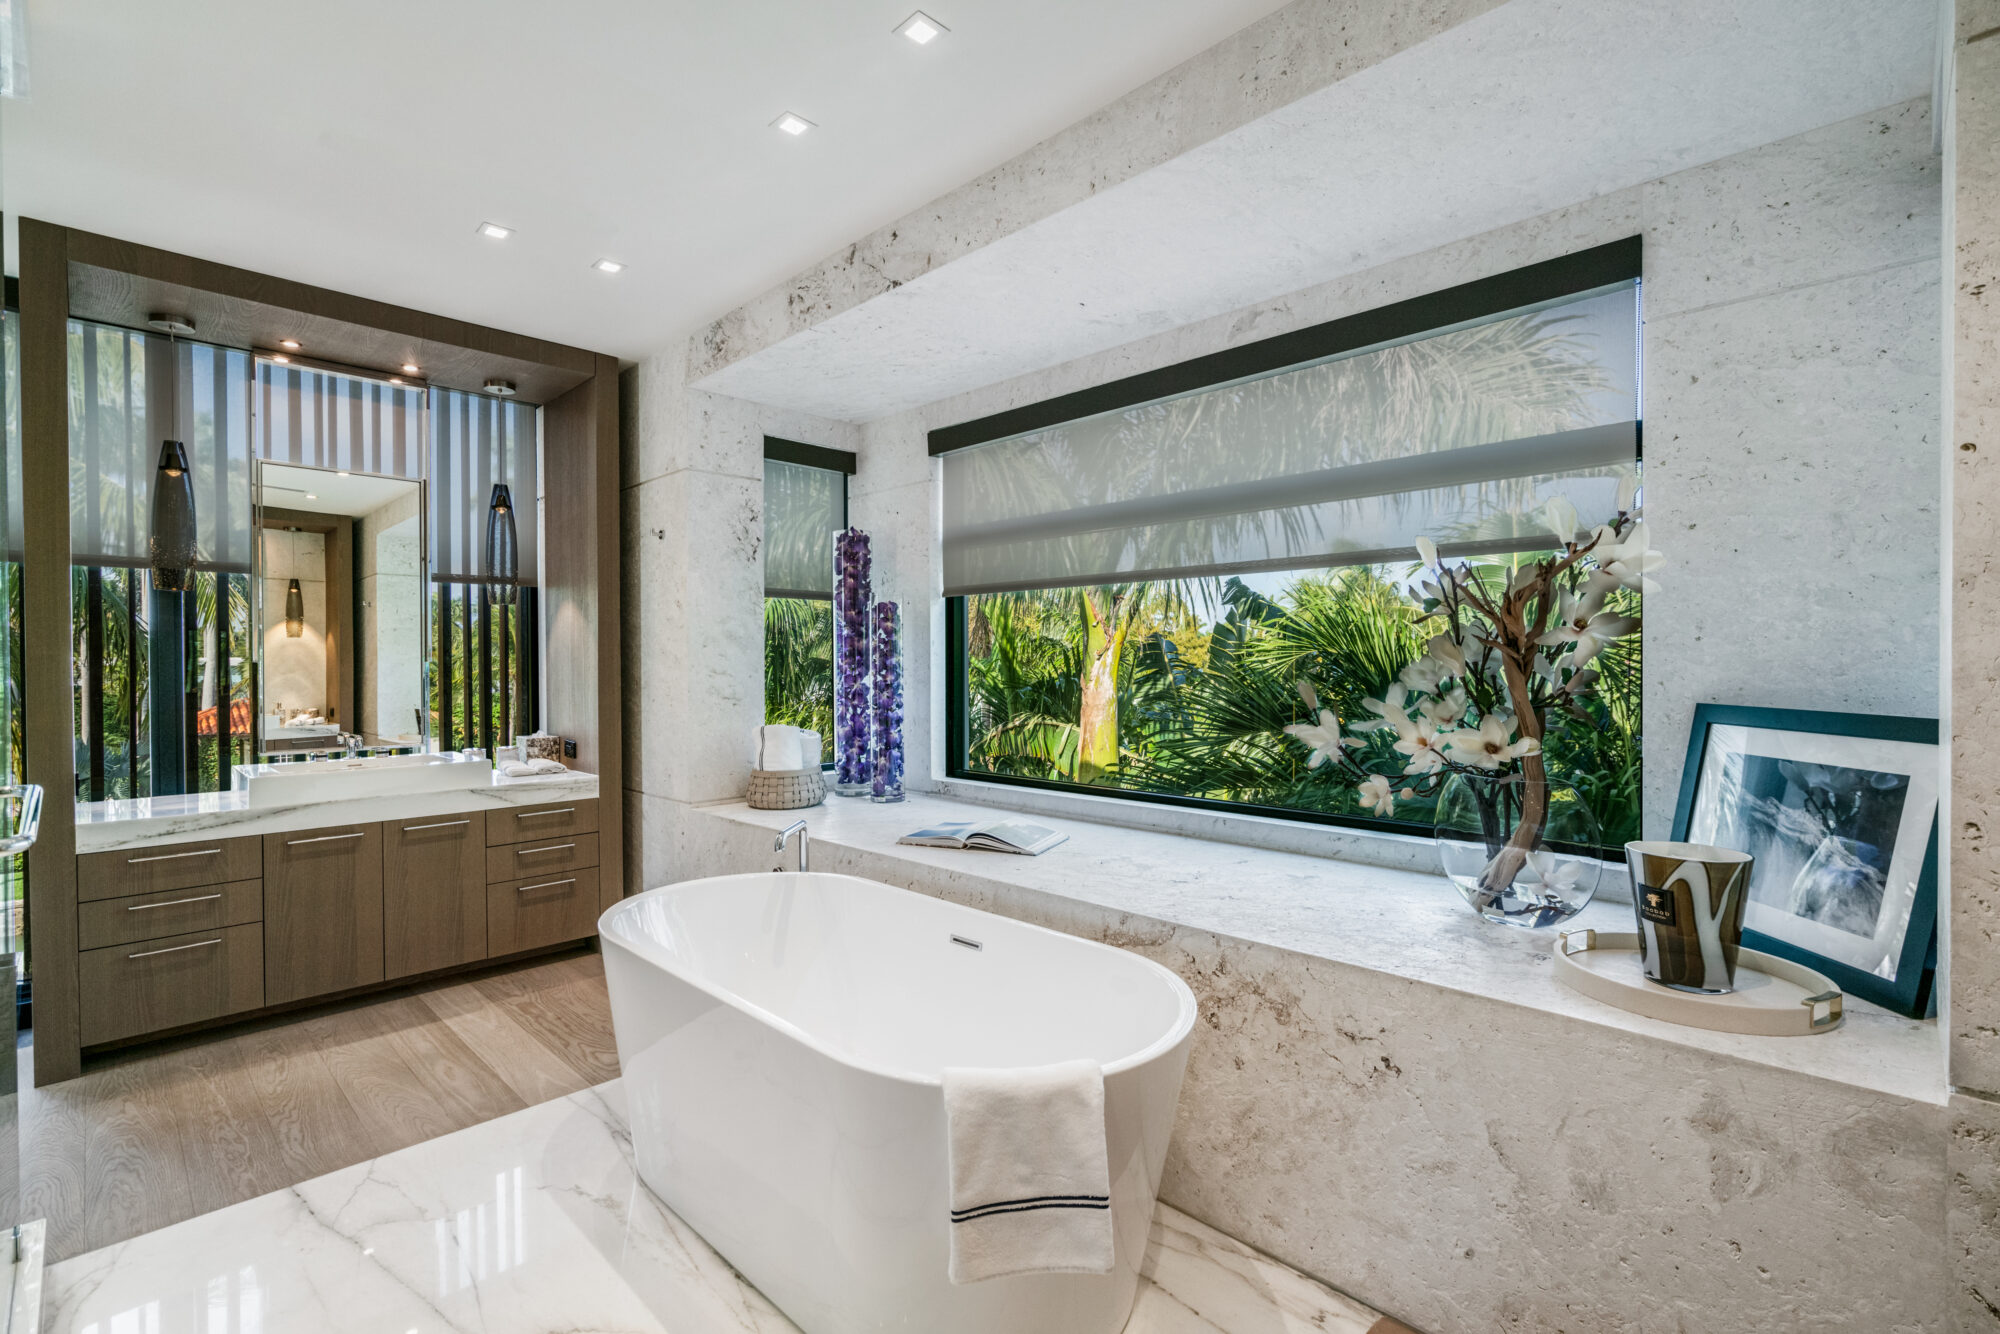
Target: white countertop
x=109, y=826
x=1405, y=923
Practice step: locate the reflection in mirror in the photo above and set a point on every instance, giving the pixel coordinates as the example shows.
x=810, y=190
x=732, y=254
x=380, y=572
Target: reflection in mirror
x=340, y=573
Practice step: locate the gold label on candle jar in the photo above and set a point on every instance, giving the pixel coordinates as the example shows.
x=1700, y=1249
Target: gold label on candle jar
x=1657, y=905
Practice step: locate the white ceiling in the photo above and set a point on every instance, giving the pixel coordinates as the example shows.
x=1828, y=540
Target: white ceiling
x=1533, y=106
x=358, y=145
x=323, y=491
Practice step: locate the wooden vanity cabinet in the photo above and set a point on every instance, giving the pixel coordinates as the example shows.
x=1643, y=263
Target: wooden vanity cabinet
x=434, y=892
x=322, y=911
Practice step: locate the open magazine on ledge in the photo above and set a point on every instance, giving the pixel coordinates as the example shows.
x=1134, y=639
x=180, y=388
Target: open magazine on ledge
x=1022, y=836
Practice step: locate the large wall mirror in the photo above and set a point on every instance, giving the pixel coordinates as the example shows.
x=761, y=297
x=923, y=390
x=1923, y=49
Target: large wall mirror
x=340, y=573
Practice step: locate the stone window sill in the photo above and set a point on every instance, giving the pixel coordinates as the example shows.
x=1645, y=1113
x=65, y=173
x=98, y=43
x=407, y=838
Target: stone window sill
x=1404, y=923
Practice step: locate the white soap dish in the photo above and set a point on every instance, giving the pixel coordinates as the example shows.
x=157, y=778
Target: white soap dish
x=1773, y=997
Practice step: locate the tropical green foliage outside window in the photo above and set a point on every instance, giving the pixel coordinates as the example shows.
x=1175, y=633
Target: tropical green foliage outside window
x=1203, y=678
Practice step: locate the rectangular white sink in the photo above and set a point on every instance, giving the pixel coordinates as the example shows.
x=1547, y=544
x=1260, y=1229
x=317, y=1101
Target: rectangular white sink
x=308, y=781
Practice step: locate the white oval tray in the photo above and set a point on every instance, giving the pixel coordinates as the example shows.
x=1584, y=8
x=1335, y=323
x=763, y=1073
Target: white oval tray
x=1773, y=997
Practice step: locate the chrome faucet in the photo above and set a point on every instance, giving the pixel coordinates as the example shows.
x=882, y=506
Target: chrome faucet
x=805, y=843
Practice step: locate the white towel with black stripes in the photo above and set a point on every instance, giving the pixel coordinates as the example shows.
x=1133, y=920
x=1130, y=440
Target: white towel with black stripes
x=1030, y=1174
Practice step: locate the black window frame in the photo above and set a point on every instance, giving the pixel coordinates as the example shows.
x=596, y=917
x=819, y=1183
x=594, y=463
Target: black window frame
x=1566, y=275
x=842, y=461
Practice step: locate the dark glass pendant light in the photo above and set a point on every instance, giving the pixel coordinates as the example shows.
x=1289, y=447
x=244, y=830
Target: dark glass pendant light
x=172, y=545
x=503, y=553
x=172, y=549
x=295, y=611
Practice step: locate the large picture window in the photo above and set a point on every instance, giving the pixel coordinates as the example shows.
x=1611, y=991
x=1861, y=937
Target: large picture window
x=805, y=504
x=1140, y=574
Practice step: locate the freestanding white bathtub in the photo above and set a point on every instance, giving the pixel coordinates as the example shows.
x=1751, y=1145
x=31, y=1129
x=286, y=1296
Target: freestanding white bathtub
x=782, y=1035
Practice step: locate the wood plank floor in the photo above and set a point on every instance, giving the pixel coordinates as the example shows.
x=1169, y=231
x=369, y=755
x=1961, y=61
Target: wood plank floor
x=158, y=1134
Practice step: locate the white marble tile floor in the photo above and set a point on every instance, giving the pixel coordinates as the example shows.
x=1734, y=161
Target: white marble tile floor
x=537, y=1222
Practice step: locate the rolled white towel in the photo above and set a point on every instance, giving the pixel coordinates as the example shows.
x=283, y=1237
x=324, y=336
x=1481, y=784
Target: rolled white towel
x=1030, y=1173
x=775, y=748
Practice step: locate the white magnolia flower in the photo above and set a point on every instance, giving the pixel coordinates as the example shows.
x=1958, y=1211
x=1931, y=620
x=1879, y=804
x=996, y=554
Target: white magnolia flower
x=1445, y=711
x=1450, y=654
x=1376, y=796
x=1630, y=562
x=1560, y=516
x=1628, y=492
x=1546, y=878
x=1424, y=675
x=1323, y=737
x=1427, y=552
x=1587, y=625
x=1424, y=746
x=1491, y=744
x=1391, y=711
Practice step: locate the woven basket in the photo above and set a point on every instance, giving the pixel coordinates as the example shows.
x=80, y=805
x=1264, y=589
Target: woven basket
x=786, y=789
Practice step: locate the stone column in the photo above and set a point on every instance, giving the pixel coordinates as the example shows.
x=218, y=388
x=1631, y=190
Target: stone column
x=1971, y=939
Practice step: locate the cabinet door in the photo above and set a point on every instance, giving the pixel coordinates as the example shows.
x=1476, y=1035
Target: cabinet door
x=322, y=911
x=433, y=892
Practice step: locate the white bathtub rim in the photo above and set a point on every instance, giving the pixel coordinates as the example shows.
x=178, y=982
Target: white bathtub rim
x=1177, y=1034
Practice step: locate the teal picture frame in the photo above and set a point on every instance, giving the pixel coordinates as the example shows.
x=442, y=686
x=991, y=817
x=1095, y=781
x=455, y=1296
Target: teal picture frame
x=1912, y=991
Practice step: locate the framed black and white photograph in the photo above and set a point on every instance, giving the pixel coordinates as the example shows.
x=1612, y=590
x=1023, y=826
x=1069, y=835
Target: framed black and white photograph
x=1840, y=812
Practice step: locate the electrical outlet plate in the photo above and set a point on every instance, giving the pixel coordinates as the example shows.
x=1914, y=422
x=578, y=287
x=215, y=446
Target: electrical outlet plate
x=569, y=749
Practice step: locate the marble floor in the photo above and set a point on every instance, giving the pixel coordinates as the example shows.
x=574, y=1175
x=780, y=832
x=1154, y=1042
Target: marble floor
x=535, y=1222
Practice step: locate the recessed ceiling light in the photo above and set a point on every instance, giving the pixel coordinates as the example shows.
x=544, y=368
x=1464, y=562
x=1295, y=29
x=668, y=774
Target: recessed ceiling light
x=495, y=231
x=607, y=266
x=410, y=368
x=500, y=388
x=291, y=344
x=792, y=123
x=340, y=474
x=311, y=496
x=280, y=359
x=921, y=28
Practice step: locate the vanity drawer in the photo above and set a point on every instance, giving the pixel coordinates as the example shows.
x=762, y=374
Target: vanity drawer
x=173, y=912
x=543, y=857
x=152, y=985
x=556, y=820
x=541, y=910
x=117, y=875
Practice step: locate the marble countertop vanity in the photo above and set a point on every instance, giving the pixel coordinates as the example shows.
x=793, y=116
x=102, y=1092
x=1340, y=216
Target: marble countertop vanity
x=109, y=826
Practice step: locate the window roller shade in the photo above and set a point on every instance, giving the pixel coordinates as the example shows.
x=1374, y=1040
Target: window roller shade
x=130, y=392
x=803, y=508
x=1463, y=435
x=476, y=441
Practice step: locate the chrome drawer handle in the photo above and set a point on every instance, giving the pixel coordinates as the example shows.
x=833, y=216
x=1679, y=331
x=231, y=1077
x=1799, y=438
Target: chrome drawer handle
x=174, y=949
x=323, y=838
x=172, y=903
x=172, y=856
x=553, y=847
x=536, y=815
x=442, y=824
x=546, y=884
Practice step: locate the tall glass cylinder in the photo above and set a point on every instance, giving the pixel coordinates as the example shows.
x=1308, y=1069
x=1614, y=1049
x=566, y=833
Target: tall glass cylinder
x=886, y=781
x=852, y=596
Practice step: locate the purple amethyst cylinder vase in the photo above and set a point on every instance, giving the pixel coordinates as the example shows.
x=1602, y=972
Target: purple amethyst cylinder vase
x=852, y=596
x=887, y=747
